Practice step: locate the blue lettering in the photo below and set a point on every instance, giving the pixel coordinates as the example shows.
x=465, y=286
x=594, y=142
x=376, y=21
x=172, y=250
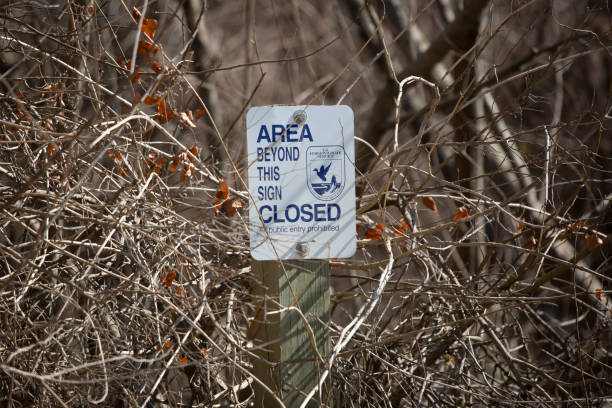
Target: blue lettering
x=306, y=212
x=263, y=154
x=284, y=134
x=261, y=209
x=291, y=131
x=267, y=193
x=319, y=212
x=293, y=212
x=277, y=131
x=329, y=212
x=306, y=133
x=283, y=153
x=297, y=213
x=263, y=134
x=276, y=219
x=268, y=173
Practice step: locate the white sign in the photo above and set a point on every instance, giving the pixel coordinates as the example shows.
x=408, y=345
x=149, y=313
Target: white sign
x=301, y=182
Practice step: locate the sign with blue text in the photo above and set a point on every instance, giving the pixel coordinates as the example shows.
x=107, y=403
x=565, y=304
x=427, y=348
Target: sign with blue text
x=301, y=182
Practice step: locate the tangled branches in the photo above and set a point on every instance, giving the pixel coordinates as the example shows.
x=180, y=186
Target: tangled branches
x=482, y=276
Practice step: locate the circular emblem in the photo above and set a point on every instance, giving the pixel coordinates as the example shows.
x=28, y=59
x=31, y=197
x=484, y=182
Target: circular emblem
x=325, y=171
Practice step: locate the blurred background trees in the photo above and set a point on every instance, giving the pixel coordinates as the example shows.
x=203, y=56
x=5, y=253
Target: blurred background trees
x=124, y=265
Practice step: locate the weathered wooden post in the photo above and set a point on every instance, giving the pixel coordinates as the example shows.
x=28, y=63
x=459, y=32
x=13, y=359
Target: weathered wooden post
x=283, y=336
x=302, y=213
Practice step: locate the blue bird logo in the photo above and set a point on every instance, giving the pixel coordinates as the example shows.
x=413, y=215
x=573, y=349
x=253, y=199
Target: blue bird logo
x=322, y=171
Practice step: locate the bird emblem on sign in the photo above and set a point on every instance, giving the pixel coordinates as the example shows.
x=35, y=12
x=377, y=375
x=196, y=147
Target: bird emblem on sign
x=322, y=171
x=325, y=167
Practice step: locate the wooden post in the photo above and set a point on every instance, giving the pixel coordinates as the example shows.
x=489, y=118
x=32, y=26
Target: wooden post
x=286, y=344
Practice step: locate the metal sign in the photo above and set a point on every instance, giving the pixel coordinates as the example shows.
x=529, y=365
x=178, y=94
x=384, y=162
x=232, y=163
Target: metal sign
x=301, y=182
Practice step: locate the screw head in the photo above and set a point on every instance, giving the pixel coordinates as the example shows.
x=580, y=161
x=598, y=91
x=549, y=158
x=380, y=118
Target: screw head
x=299, y=117
x=302, y=249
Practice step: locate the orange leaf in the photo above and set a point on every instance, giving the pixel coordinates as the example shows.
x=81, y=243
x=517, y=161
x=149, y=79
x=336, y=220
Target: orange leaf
x=163, y=114
x=221, y=196
x=91, y=10
x=200, y=112
x=397, y=229
x=158, y=164
x=577, y=225
x=593, y=242
x=598, y=293
x=187, y=172
x=230, y=206
x=401, y=229
x=462, y=212
x=223, y=192
x=126, y=64
x=430, y=203
x=169, y=114
x=136, y=14
x=136, y=76
x=149, y=26
x=179, y=291
x=174, y=164
x=151, y=100
x=144, y=47
x=372, y=234
x=521, y=224
x=255, y=324
x=531, y=242
x=50, y=149
x=155, y=67
x=375, y=233
x=184, y=360
x=193, y=149
x=168, y=278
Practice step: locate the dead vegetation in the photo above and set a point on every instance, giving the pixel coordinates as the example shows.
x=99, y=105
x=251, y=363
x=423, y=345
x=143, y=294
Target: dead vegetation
x=484, y=207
